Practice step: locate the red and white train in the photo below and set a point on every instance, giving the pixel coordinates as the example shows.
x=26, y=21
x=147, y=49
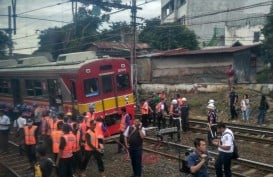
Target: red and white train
x=71, y=83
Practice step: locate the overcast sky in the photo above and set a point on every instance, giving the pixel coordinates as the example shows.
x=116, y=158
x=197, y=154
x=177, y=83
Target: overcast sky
x=28, y=30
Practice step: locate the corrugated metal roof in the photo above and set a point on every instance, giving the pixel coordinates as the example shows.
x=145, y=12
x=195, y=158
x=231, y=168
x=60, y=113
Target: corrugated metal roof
x=204, y=51
x=120, y=45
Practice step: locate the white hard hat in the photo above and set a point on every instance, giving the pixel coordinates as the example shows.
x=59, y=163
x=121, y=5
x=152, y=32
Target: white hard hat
x=211, y=106
x=174, y=101
x=184, y=99
x=211, y=101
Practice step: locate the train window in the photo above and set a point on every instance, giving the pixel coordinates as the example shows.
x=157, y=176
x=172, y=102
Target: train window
x=91, y=87
x=123, y=81
x=33, y=88
x=107, y=84
x=4, y=86
x=105, y=67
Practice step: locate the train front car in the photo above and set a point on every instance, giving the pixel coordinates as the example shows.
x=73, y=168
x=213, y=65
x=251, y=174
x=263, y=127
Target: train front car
x=104, y=82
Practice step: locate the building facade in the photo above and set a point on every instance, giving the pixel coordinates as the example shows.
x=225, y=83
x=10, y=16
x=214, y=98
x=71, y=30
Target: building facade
x=219, y=22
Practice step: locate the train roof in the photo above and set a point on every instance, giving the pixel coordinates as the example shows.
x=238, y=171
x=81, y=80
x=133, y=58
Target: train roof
x=65, y=63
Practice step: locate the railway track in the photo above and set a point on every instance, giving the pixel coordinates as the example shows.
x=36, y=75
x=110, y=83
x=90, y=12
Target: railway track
x=240, y=167
x=261, y=135
x=16, y=165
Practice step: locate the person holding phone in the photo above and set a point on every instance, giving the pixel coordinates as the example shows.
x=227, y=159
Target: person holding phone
x=198, y=160
x=134, y=135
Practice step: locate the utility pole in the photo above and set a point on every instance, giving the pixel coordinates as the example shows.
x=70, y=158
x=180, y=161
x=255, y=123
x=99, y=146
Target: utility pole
x=133, y=49
x=9, y=30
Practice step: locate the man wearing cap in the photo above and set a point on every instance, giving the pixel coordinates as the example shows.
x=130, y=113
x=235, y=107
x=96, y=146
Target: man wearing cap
x=4, y=131
x=175, y=114
x=30, y=134
x=93, y=148
x=185, y=114
x=90, y=115
x=64, y=159
x=212, y=118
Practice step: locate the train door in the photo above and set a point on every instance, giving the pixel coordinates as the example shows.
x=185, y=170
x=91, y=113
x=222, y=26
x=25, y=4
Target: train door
x=54, y=94
x=109, y=100
x=16, y=91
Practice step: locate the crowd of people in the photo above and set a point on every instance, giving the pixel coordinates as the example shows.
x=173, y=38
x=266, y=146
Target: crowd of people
x=74, y=139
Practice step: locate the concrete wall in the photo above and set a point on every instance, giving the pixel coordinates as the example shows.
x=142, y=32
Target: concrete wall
x=191, y=69
x=204, y=25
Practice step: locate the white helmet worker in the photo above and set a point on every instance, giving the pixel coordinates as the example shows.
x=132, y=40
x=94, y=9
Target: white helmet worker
x=211, y=106
x=211, y=101
x=174, y=101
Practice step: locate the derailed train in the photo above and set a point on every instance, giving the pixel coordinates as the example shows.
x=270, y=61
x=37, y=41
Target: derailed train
x=71, y=83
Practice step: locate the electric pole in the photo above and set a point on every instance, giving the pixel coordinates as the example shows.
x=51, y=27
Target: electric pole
x=133, y=49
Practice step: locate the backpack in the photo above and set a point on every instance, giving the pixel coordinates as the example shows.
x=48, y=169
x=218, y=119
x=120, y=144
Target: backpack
x=37, y=170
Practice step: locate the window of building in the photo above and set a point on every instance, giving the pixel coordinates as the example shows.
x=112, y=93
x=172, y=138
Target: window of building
x=256, y=36
x=107, y=84
x=91, y=87
x=123, y=81
x=4, y=86
x=33, y=88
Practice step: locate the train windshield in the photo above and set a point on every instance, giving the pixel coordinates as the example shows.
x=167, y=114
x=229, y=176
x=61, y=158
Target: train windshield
x=91, y=87
x=123, y=81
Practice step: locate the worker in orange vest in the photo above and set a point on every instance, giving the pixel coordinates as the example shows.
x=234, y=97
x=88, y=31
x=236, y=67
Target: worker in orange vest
x=77, y=147
x=60, y=118
x=56, y=139
x=64, y=159
x=90, y=114
x=93, y=148
x=30, y=138
x=100, y=129
x=145, y=112
x=124, y=123
x=161, y=112
x=46, y=125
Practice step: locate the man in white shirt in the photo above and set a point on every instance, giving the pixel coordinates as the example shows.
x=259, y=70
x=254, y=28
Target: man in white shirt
x=4, y=131
x=225, y=147
x=19, y=125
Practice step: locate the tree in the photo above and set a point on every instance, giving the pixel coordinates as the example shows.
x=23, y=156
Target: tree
x=268, y=41
x=167, y=36
x=117, y=32
x=72, y=37
x=5, y=42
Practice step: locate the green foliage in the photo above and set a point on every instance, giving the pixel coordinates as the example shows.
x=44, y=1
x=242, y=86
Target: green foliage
x=4, y=43
x=115, y=32
x=73, y=37
x=268, y=41
x=167, y=36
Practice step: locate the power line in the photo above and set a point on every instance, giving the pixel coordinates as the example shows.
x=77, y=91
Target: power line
x=52, y=5
x=42, y=19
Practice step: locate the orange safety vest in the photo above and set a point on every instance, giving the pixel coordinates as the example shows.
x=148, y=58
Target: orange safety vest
x=94, y=141
x=30, y=138
x=50, y=123
x=145, y=108
x=123, y=123
x=56, y=139
x=68, y=149
x=56, y=123
x=83, y=129
x=89, y=118
x=99, y=130
x=77, y=146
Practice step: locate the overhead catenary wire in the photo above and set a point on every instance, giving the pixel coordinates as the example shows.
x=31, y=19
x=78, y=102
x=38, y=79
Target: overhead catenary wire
x=252, y=6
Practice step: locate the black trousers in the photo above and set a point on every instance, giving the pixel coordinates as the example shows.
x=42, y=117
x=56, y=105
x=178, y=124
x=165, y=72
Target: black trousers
x=4, y=137
x=31, y=153
x=121, y=141
x=97, y=155
x=65, y=167
x=145, y=118
x=212, y=134
x=76, y=161
x=185, y=123
x=233, y=112
x=223, y=158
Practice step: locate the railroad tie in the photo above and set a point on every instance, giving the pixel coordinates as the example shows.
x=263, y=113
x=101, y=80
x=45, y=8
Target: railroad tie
x=249, y=172
x=269, y=175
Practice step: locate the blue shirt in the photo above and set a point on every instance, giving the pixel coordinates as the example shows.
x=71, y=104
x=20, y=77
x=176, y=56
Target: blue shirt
x=192, y=160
